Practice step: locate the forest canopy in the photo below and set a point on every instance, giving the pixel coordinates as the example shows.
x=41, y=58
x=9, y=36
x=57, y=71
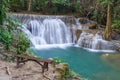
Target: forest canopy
x=93, y=9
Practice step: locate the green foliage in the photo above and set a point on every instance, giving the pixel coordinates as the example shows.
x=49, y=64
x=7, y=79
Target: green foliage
x=106, y=2
x=92, y=9
x=58, y=60
x=43, y=6
x=11, y=24
x=22, y=44
x=6, y=38
x=11, y=36
x=116, y=24
x=71, y=74
x=3, y=9
x=17, y=5
x=8, y=27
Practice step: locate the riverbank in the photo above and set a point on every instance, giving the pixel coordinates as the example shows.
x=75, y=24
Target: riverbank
x=29, y=71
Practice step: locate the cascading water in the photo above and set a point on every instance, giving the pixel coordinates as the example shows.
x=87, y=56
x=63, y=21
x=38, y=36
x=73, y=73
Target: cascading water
x=43, y=30
x=96, y=42
x=79, y=26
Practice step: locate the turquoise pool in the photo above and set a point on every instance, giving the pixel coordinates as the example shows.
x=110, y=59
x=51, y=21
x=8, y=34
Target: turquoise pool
x=88, y=64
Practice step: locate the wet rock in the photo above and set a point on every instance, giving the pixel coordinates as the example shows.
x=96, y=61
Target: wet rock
x=96, y=41
x=117, y=44
x=115, y=36
x=83, y=20
x=99, y=26
x=60, y=71
x=89, y=23
x=104, y=45
x=78, y=32
x=92, y=25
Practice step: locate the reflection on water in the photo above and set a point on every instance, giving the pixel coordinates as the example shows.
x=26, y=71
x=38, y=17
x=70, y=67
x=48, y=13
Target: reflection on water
x=91, y=65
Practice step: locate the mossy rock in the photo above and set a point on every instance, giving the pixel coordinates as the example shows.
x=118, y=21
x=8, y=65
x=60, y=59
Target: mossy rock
x=61, y=70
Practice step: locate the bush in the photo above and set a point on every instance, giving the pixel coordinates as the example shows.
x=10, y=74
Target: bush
x=116, y=24
x=22, y=44
x=6, y=38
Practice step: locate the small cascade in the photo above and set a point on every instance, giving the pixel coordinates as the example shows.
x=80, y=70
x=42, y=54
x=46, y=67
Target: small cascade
x=43, y=30
x=79, y=26
x=96, y=41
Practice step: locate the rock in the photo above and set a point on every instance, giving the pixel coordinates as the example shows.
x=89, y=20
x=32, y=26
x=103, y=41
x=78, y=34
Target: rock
x=89, y=23
x=96, y=41
x=92, y=25
x=78, y=32
x=99, y=26
x=60, y=71
x=50, y=58
x=115, y=36
x=58, y=76
x=83, y=20
x=117, y=44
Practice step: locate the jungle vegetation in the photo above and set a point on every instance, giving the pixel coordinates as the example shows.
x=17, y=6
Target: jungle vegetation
x=11, y=37
x=104, y=12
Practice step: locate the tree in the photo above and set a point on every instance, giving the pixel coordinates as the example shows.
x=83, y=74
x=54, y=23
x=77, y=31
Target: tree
x=29, y=5
x=108, y=31
x=108, y=24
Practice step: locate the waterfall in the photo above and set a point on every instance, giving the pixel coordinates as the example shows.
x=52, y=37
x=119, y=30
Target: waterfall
x=79, y=26
x=57, y=30
x=44, y=30
x=96, y=42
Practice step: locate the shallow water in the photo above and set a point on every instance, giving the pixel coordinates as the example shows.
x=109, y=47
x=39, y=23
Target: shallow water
x=90, y=65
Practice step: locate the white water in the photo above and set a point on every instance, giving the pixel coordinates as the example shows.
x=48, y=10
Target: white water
x=57, y=31
x=50, y=31
x=95, y=42
x=47, y=30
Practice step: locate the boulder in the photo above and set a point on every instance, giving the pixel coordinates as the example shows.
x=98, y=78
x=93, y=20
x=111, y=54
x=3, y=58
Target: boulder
x=89, y=23
x=92, y=25
x=115, y=36
x=60, y=71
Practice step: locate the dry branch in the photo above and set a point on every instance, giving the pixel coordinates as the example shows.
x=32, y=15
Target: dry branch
x=46, y=77
x=8, y=70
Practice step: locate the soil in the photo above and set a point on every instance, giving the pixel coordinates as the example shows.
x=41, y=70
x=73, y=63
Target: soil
x=29, y=71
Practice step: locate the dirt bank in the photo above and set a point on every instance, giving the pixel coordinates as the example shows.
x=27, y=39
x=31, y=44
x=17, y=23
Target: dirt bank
x=29, y=71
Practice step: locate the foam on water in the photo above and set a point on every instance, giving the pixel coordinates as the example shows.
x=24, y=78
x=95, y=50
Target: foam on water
x=93, y=50
x=62, y=46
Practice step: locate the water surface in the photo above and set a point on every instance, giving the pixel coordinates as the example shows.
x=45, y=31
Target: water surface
x=90, y=65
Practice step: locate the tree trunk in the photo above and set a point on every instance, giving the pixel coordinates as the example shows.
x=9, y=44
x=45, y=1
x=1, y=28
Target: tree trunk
x=108, y=24
x=29, y=5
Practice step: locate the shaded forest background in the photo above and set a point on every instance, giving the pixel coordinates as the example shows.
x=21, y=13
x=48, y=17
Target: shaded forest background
x=93, y=9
